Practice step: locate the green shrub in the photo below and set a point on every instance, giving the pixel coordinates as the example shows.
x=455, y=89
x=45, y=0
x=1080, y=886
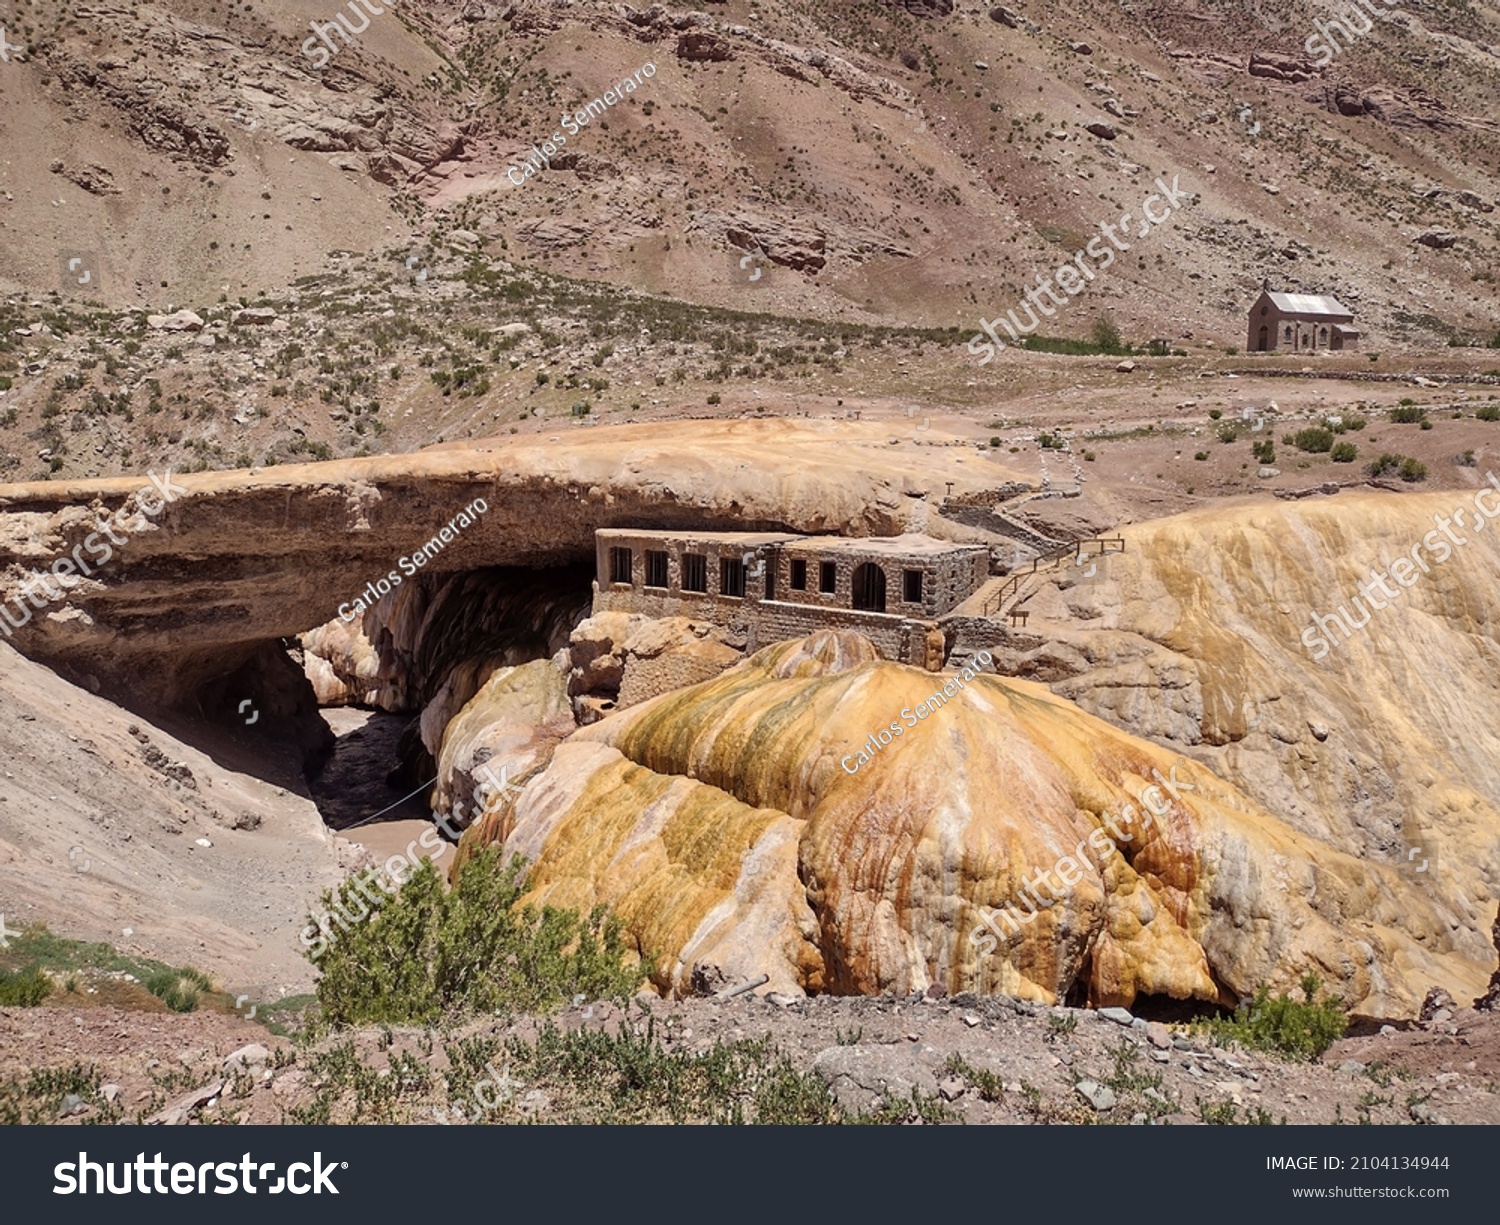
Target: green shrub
x=1297, y=1029
x=995, y=443
x=23, y=989
x=1264, y=451
x=1200, y=454
x=1489, y=412
x=1407, y=414
x=1104, y=334
x=1412, y=471
x=1425, y=424
x=1354, y=423
x=179, y=990
x=1214, y=414
x=428, y=951
x=1386, y=463
x=1344, y=453
x=1229, y=432
x=1314, y=440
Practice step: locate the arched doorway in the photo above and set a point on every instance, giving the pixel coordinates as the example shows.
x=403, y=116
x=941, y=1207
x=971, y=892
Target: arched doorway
x=1264, y=341
x=869, y=588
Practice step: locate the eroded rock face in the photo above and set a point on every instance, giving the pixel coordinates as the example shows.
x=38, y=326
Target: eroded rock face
x=618, y=659
x=723, y=824
x=1193, y=638
x=274, y=554
x=501, y=735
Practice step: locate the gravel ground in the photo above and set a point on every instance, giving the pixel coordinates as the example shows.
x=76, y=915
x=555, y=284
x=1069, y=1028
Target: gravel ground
x=1025, y=1063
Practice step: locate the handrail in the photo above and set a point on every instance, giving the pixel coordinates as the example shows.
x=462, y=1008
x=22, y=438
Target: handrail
x=1101, y=541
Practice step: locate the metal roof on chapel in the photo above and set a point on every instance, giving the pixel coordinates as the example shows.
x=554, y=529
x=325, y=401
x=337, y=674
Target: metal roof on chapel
x=1308, y=304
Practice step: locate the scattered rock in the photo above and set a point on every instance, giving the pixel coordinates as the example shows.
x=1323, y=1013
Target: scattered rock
x=1125, y=367
x=1120, y=1016
x=1095, y=1095
x=1438, y=240
x=1436, y=1002
x=951, y=1088
x=72, y=1104
x=253, y=316
x=1280, y=68
x=1104, y=131
x=178, y=321
x=701, y=46
x=1080, y=49
x=176, y=1113
x=860, y=1076
x=253, y=1055
x=1158, y=1035
x=1006, y=17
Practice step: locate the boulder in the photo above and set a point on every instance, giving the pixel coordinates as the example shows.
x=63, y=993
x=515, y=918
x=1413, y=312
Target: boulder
x=1280, y=68
x=253, y=316
x=178, y=321
x=699, y=46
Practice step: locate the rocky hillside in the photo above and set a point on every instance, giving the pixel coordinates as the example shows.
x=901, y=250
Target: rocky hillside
x=914, y=164
x=1329, y=837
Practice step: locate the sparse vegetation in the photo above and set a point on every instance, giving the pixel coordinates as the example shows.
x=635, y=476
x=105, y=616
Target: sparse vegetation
x=1407, y=468
x=23, y=989
x=1295, y=1029
x=1314, y=440
x=428, y=951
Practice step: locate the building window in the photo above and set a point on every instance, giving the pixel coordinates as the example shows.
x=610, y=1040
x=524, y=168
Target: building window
x=621, y=562
x=799, y=576
x=732, y=577
x=868, y=584
x=911, y=581
x=828, y=578
x=694, y=572
x=656, y=568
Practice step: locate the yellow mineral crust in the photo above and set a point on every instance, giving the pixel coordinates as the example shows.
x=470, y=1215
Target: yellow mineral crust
x=724, y=826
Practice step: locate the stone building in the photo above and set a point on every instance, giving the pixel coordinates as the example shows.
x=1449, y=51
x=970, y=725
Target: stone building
x=1299, y=323
x=774, y=586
